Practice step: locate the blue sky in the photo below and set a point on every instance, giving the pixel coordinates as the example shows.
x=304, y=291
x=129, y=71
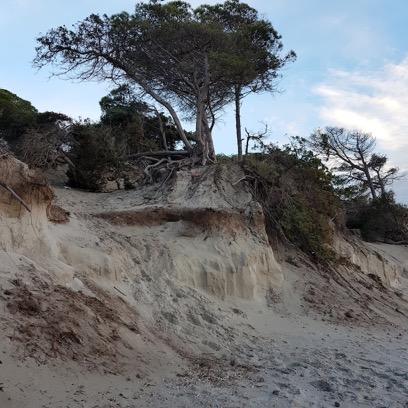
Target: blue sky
x=352, y=68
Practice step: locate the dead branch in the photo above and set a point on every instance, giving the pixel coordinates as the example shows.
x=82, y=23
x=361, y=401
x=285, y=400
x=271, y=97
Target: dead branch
x=161, y=153
x=16, y=196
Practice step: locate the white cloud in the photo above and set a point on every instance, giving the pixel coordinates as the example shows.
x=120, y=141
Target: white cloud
x=375, y=102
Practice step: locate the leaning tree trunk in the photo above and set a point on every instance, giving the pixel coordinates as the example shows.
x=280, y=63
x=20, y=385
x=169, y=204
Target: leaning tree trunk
x=171, y=110
x=238, y=120
x=162, y=129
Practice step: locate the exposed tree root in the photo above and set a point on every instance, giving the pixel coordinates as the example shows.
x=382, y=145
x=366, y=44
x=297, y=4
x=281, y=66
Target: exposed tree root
x=161, y=165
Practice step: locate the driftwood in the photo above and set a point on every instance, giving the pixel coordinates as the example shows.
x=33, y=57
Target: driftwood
x=16, y=196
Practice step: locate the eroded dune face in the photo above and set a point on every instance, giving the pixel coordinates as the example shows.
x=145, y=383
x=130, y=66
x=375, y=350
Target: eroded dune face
x=209, y=244
x=24, y=231
x=377, y=260
x=163, y=264
x=204, y=231
x=209, y=237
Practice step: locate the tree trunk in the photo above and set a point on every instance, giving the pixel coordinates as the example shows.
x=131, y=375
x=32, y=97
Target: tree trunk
x=381, y=184
x=162, y=129
x=209, y=139
x=144, y=85
x=370, y=183
x=247, y=145
x=366, y=169
x=172, y=112
x=176, y=121
x=238, y=120
x=200, y=134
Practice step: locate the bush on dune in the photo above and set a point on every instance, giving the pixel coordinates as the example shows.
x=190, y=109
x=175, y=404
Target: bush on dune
x=297, y=194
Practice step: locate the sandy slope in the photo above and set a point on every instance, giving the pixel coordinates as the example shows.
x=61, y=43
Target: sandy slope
x=145, y=301
x=284, y=359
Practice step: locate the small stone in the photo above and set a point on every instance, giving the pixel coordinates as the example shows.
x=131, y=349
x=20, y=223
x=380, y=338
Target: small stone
x=337, y=404
x=275, y=392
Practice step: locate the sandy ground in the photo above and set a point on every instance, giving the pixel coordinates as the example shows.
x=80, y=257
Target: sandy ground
x=293, y=363
x=281, y=355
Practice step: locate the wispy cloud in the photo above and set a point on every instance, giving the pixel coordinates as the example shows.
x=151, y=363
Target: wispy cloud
x=375, y=102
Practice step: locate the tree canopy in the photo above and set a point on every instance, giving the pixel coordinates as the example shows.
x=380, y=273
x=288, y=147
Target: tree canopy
x=183, y=59
x=16, y=115
x=256, y=56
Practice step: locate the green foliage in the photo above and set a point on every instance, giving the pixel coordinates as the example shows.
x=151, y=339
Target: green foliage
x=120, y=106
x=254, y=55
x=143, y=126
x=95, y=152
x=379, y=220
x=224, y=159
x=16, y=115
x=297, y=194
x=34, y=137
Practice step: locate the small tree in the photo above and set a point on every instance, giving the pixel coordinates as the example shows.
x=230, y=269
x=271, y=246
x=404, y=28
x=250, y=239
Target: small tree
x=16, y=115
x=46, y=143
x=258, y=139
x=95, y=152
x=352, y=153
x=383, y=177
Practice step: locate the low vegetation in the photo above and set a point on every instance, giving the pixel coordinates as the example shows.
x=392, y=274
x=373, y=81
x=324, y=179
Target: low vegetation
x=298, y=197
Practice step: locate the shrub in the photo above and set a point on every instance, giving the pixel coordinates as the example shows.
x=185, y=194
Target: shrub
x=16, y=115
x=96, y=151
x=379, y=220
x=297, y=195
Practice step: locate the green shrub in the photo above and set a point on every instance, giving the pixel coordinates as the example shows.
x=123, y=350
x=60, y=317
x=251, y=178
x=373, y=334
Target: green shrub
x=96, y=151
x=16, y=115
x=379, y=220
x=298, y=198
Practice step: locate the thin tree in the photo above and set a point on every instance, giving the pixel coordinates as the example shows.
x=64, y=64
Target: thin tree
x=383, y=176
x=352, y=153
x=255, y=59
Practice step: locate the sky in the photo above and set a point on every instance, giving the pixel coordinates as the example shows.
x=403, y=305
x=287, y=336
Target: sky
x=351, y=69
